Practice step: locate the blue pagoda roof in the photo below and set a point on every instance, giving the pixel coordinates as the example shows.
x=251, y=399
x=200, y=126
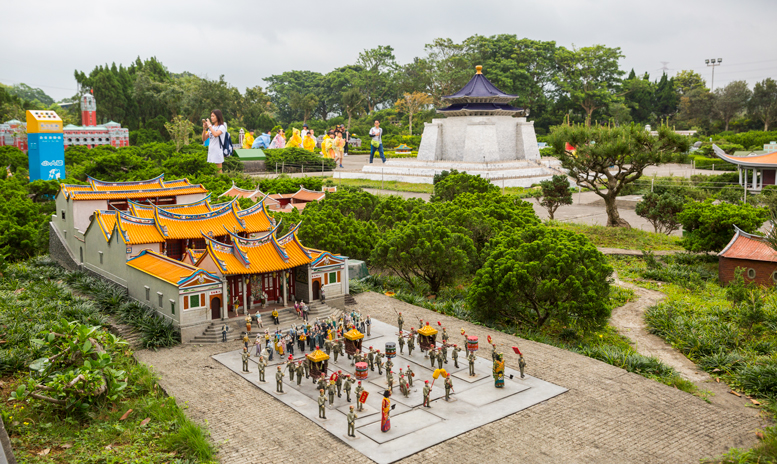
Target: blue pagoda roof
x=480, y=89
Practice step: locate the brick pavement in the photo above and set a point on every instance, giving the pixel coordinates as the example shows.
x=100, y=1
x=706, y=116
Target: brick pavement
x=608, y=415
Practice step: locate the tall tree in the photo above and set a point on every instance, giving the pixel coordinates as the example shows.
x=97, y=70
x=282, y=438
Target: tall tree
x=352, y=103
x=763, y=104
x=590, y=76
x=411, y=103
x=304, y=104
x=377, y=76
x=608, y=159
x=731, y=100
x=639, y=97
x=666, y=98
x=26, y=92
x=281, y=87
x=448, y=67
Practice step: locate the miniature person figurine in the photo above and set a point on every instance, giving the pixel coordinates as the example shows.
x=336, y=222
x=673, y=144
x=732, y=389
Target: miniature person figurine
x=521, y=365
x=390, y=380
x=427, y=392
x=224, y=330
x=336, y=350
x=410, y=376
x=279, y=380
x=339, y=383
x=245, y=340
x=401, y=342
x=321, y=405
x=275, y=317
x=245, y=355
x=328, y=347
x=331, y=389
x=471, y=359
x=410, y=343
x=349, y=381
x=371, y=359
x=261, y=364
x=385, y=410
x=444, y=351
x=379, y=361
x=403, y=388
x=444, y=336
x=248, y=324
x=389, y=364
x=292, y=368
x=432, y=357
x=448, y=387
x=455, y=356
x=400, y=321
x=368, y=323
x=351, y=422
x=358, y=391
x=499, y=371
x=299, y=372
x=322, y=385
x=306, y=365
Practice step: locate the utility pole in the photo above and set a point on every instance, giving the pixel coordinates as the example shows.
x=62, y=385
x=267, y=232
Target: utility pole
x=711, y=62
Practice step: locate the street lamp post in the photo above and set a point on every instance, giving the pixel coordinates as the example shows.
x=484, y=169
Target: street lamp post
x=712, y=62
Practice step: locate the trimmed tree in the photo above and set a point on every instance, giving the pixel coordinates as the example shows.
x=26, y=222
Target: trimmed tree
x=554, y=193
x=661, y=211
x=541, y=274
x=708, y=227
x=427, y=249
x=606, y=159
x=449, y=184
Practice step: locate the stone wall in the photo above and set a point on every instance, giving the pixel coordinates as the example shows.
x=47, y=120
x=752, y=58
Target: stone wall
x=59, y=252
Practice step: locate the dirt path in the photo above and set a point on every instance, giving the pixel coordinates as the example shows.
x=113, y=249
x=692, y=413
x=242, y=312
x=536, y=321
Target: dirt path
x=630, y=322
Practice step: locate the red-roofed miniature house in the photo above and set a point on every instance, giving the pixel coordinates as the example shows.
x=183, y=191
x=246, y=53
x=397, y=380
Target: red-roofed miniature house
x=751, y=253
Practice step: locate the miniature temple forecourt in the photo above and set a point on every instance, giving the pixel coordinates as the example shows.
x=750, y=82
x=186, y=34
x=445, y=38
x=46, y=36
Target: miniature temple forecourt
x=193, y=261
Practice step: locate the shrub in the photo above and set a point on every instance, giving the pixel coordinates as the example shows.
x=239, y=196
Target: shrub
x=450, y=184
x=297, y=159
x=708, y=227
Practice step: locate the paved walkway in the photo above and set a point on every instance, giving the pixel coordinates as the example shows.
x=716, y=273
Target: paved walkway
x=607, y=416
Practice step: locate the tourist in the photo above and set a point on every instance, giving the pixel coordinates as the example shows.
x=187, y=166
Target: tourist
x=304, y=131
x=211, y=129
x=377, y=141
x=248, y=140
x=309, y=142
x=295, y=141
x=347, y=138
x=259, y=319
x=279, y=141
x=339, y=143
x=326, y=146
x=263, y=141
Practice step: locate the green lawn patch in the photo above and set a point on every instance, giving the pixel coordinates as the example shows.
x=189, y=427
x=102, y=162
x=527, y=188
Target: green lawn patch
x=620, y=237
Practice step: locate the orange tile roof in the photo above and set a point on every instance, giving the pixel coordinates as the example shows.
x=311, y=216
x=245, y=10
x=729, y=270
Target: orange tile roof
x=134, y=230
x=749, y=246
x=157, y=265
x=256, y=219
x=766, y=160
x=258, y=256
x=107, y=221
x=100, y=190
x=182, y=226
x=103, y=186
x=147, y=210
x=236, y=191
x=195, y=254
x=304, y=194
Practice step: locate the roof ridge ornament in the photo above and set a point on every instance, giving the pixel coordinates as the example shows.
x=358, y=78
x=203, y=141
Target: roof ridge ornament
x=478, y=69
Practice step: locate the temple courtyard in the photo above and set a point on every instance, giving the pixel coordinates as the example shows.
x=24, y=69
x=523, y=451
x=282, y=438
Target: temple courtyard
x=569, y=408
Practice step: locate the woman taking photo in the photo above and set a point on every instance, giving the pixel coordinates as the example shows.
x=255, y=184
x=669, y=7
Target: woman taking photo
x=279, y=141
x=211, y=131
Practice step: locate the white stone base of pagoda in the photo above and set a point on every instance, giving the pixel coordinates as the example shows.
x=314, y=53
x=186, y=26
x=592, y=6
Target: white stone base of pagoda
x=501, y=174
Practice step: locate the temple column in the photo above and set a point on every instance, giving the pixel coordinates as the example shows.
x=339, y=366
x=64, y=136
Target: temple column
x=755, y=179
x=739, y=168
x=285, y=287
x=223, y=298
x=245, y=296
x=309, y=270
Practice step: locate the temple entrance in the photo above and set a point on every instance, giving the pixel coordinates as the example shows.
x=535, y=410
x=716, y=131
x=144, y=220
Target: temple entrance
x=316, y=289
x=235, y=293
x=215, y=308
x=271, y=284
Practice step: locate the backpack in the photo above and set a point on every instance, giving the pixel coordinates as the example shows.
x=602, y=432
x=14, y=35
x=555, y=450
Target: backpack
x=226, y=147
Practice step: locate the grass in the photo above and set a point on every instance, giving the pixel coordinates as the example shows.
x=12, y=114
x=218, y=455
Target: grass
x=32, y=294
x=391, y=185
x=620, y=237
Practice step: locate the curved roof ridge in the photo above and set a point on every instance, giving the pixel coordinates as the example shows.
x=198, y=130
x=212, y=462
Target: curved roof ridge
x=193, y=217
x=104, y=183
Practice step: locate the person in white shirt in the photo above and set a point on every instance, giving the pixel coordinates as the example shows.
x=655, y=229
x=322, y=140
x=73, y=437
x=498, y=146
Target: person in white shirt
x=377, y=136
x=214, y=131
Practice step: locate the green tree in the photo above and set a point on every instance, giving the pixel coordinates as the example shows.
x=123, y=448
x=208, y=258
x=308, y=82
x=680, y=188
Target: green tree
x=304, y=104
x=25, y=92
x=661, y=210
x=666, y=98
x=541, y=274
x=353, y=104
x=763, y=104
x=685, y=81
x=605, y=160
x=708, y=227
x=590, y=76
x=639, y=97
x=731, y=100
x=553, y=193
x=377, y=76
x=282, y=86
x=180, y=130
x=430, y=250
x=454, y=183
x=411, y=103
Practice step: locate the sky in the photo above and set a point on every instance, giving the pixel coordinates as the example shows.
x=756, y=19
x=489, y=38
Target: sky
x=45, y=41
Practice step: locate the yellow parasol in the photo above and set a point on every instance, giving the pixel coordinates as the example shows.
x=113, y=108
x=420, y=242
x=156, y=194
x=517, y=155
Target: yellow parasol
x=437, y=373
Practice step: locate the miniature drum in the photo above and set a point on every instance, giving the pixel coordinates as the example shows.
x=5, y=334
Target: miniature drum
x=391, y=350
x=361, y=370
x=472, y=343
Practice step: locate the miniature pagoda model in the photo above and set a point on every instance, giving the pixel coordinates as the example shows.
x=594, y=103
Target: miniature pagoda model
x=480, y=134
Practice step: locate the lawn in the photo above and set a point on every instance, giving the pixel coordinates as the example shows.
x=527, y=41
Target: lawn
x=620, y=237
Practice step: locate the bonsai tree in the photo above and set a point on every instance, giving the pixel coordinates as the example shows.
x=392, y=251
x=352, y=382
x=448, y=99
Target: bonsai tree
x=661, y=211
x=554, y=193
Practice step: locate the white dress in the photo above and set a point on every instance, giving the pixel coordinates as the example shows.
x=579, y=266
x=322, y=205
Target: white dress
x=215, y=154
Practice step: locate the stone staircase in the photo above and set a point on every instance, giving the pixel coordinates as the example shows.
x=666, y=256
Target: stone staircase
x=127, y=333
x=287, y=317
x=349, y=300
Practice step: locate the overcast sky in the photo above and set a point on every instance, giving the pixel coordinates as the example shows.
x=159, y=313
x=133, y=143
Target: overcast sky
x=46, y=40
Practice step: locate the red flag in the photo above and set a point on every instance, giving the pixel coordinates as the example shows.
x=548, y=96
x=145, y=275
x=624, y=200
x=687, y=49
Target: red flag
x=438, y=323
x=517, y=351
x=489, y=339
x=333, y=376
x=363, y=397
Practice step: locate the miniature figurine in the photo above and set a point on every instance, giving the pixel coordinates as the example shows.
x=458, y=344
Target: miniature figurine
x=321, y=405
x=499, y=371
x=401, y=342
x=351, y=423
x=306, y=366
x=322, y=384
x=403, y=387
x=444, y=351
x=521, y=365
x=448, y=387
x=440, y=358
x=427, y=392
x=261, y=364
x=245, y=355
x=410, y=343
x=336, y=350
x=291, y=368
x=245, y=340
x=279, y=380
x=358, y=391
x=258, y=343
x=368, y=324
x=299, y=372
x=455, y=356
x=371, y=359
x=349, y=381
x=389, y=364
x=339, y=383
x=379, y=361
x=224, y=330
x=471, y=359
x=432, y=357
x=390, y=380
x=275, y=317
x=331, y=389
x=400, y=321
x=328, y=347
x=410, y=375
x=444, y=336
x=248, y=324
x=385, y=410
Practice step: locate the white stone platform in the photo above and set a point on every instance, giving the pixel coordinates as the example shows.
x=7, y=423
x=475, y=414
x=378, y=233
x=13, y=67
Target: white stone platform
x=475, y=402
x=501, y=173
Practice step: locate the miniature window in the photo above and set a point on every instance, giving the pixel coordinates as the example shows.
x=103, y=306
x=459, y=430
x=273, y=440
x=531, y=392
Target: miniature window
x=101, y=256
x=159, y=294
x=194, y=301
x=172, y=306
x=774, y=276
x=81, y=250
x=63, y=214
x=751, y=273
x=148, y=293
x=333, y=277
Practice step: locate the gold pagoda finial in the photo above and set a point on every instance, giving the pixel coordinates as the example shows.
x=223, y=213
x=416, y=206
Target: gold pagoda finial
x=479, y=69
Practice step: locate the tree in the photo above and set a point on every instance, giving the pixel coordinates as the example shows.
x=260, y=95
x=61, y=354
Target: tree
x=28, y=93
x=590, y=76
x=411, y=103
x=708, y=227
x=685, y=81
x=666, y=98
x=282, y=86
x=639, y=97
x=599, y=150
x=376, y=78
x=661, y=210
x=180, y=130
x=353, y=104
x=554, y=193
x=454, y=183
x=430, y=250
x=731, y=100
x=763, y=104
x=303, y=103
x=539, y=274
x=696, y=107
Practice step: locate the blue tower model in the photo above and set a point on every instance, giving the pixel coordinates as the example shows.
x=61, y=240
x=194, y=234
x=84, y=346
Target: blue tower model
x=45, y=145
